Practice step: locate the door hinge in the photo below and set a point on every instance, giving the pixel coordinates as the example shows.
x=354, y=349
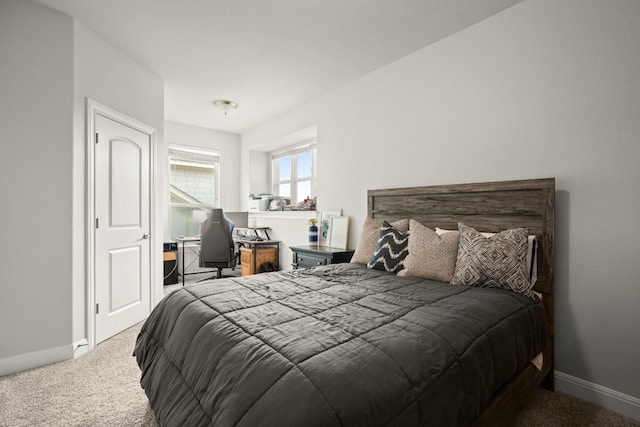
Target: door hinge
x=97, y=222
x=97, y=308
x=96, y=137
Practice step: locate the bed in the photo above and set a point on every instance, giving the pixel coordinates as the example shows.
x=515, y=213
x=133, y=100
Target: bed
x=349, y=345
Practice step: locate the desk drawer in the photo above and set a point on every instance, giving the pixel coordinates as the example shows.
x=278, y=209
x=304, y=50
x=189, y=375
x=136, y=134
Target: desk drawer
x=305, y=260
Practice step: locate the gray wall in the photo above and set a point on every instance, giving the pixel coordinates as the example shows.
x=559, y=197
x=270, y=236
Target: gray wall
x=546, y=88
x=50, y=65
x=36, y=102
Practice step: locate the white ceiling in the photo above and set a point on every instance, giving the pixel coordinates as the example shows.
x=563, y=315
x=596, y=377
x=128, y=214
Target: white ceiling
x=268, y=56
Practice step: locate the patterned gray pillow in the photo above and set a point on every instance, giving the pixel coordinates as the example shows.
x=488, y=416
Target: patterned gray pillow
x=391, y=251
x=498, y=261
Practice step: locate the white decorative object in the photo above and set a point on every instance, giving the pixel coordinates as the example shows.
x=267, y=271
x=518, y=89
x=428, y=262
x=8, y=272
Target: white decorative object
x=340, y=232
x=324, y=226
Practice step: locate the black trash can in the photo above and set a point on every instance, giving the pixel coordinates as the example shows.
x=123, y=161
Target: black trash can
x=170, y=257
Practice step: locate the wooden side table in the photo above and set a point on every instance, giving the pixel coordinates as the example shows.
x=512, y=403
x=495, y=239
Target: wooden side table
x=312, y=256
x=257, y=253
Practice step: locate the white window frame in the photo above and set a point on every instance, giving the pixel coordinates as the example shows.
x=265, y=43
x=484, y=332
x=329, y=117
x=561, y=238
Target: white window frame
x=215, y=164
x=292, y=151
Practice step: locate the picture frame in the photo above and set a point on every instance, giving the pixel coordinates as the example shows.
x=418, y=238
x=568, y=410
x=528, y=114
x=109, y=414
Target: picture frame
x=340, y=232
x=324, y=225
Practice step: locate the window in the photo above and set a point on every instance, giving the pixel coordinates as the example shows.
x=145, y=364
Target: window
x=193, y=188
x=293, y=172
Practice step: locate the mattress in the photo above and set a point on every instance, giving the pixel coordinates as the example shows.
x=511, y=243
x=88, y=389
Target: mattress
x=333, y=345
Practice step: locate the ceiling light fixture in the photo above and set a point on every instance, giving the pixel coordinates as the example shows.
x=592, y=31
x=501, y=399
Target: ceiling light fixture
x=225, y=106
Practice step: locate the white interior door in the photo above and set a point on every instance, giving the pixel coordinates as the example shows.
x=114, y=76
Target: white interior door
x=122, y=235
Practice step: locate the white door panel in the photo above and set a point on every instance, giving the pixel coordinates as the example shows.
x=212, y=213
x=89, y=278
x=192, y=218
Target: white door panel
x=125, y=191
x=122, y=246
x=124, y=269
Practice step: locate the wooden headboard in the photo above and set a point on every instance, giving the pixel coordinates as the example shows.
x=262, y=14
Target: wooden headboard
x=489, y=206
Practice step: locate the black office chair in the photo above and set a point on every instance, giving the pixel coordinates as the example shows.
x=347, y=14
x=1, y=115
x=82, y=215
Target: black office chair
x=217, y=249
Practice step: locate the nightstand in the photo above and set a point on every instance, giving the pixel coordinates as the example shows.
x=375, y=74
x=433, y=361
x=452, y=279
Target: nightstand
x=312, y=256
x=259, y=255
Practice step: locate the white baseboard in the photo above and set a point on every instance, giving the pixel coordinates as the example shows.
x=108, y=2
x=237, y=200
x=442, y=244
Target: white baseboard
x=36, y=359
x=80, y=348
x=621, y=403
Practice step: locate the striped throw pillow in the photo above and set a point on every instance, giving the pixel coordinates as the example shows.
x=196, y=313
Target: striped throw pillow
x=391, y=250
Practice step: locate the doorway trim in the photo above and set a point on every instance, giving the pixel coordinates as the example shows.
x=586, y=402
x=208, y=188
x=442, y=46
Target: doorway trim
x=93, y=109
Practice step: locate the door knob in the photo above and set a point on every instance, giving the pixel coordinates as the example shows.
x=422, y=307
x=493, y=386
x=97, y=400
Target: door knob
x=146, y=235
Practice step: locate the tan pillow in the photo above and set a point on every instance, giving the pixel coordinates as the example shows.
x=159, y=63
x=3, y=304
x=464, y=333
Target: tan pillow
x=430, y=256
x=369, y=238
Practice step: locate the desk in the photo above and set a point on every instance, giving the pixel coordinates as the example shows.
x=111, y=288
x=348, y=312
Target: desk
x=255, y=253
x=184, y=240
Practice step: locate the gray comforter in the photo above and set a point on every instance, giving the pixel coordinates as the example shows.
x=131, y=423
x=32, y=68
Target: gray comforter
x=335, y=345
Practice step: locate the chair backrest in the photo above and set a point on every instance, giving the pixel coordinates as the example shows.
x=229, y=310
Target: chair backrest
x=216, y=242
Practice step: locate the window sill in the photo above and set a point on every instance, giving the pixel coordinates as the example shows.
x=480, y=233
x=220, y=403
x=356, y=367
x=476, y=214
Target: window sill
x=283, y=214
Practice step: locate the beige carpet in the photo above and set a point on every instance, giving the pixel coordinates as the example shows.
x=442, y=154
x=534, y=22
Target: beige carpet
x=102, y=389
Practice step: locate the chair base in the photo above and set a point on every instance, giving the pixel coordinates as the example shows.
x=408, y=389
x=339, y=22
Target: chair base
x=218, y=275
